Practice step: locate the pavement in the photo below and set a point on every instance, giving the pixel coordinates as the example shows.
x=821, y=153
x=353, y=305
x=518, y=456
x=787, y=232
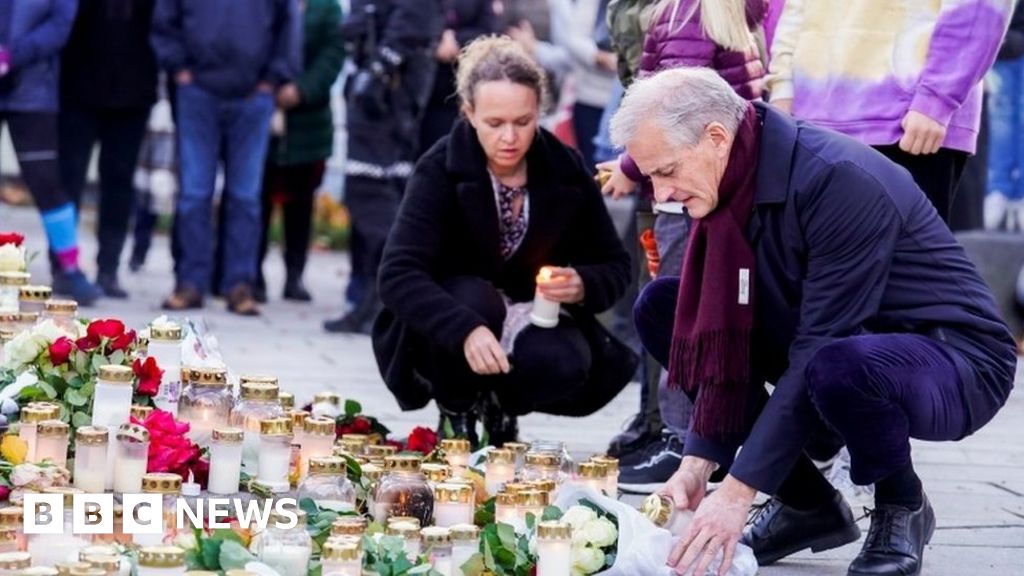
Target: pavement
x=976, y=485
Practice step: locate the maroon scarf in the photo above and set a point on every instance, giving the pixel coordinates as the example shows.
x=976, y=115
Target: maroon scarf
x=714, y=316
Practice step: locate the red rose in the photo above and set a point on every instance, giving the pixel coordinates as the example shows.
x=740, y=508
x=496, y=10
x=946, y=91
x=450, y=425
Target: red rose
x=105, y=328
x=5, y=493
x=122, y=342
x=422, y=440
x=11, y=238
x=87, y=343
x=361, y=425
x=170, y=449
x=61, y=350
x=149, y=375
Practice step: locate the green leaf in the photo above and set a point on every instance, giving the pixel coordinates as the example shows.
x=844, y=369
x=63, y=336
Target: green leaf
x=97, y=361
x=309, y=507
x=81, y=362
x=551, y=513
x=47, y=389
x=485, y=439
x=79, y=419
x=352, y=408
x=88, y=389
x=531, y=521
x=507, y=535
x=75, y=381
x=474, y=566
x=209, y=550
x=117, y=357
x=484, y=513
x=75, y=397
x=227, y=534
x=233, y=556
x=447, y=431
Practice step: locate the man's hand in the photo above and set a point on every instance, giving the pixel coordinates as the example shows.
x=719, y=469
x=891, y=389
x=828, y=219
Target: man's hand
x=265, y=87
x=783, y=104
x=448, y=48
x=183, y=77
x=288, y=96
x=484, y=354
x=565, y=286
x=688, y=485
x=523, y=34
x=717, y=526
x=618, y=184
x=606, y=60
x=921, y=134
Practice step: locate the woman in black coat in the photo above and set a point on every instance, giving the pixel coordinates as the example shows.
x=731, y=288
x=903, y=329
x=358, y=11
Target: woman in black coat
x=485, y=209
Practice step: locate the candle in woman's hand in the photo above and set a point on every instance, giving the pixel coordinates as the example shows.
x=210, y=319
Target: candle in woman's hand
x=545, y=312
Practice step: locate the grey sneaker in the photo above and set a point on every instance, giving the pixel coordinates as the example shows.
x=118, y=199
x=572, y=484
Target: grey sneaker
x=659, y=463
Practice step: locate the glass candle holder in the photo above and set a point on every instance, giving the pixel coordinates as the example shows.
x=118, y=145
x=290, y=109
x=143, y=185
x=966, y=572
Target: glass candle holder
x=33, y=298
x=593, y=475
x=165, y=347
x=6, y=333
x=258, y=401
x=456, y=452
x=545, y=312
x=225, y=461
x=206, y=402
x=409, y=532
x=437, y=545
x=340, y=558
x=12, y=563
x=611, y=480
x=436, y=473
x=501, y=468
x=286, y=400
x=554, y=549
x=8, y=539
x=275, y=454
x=317, y=441
x=505, y=508
x=380, y=451
x=48, y=549
x=63, y=313
x=132, y=455
x=559, y=450
x=30, y=418
x=531, y=502
x=52, y=442
x=11, y=284
x=26, y=320
x=453, y=504
x=326, y=405
x=90, y=474
x=169, y=487
x=328, y=485
x=519, y=449
x=403, y=491
x=109, y=563
x=465, y=543
x=140, y=413
x=541, y=466
x=661, y=510
x=161, y=561
x=286, y=550
x=12, y=518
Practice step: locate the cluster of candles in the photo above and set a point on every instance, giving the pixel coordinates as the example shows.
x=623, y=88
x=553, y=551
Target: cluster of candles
x=22, y=306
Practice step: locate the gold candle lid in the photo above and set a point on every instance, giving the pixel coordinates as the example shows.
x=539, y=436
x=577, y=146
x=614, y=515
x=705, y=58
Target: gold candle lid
x=456, y=446
x=54, y=428
x=339, y=551
x=132, y=433
x=463, y=532
x=61, y=306
x=454, y=493
x=8, y=533
x=327, y=465
x=372, y=472
x=542, y=459
x=546, y=485
x=259, y=388
x=115, y=374
x=554, y=530
x=591, y=470
x=403, y=462
x=14, y=279
x=12, y=516
x=276, y=427
x=610, y=462
x=657, y=508
x=506, y=498
x=298, y=417
x=165, y=332
x=227, y=435
x=161, y=557
x=106, y=563
x=519, y=448
x=532, y=498
x=328, y=397
x=436, y=473
x=406, y=530
x=28, y=317
x=15, y=560
x=363, y=438
x=96, y=551
x=435, y=536
x=514, y=487
x=501, y=456
x=208, y=377
x=319, y=427
x=141, y=412
x=39, y=571
x=65, y=568
x=68, y=493
x=34, y=414
x=35, y=293
x=161, y=483
x=7, y=335
x=353, y=447
x=349, y=526
x=287, y=400
x=277, y=517
x=92, y=435
x=404, y=519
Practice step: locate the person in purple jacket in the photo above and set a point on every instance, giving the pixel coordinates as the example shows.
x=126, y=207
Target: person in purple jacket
x=717, y=35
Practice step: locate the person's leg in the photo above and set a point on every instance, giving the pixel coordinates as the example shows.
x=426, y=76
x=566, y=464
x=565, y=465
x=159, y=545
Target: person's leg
x=1003, y=141
x=549, y=367
x=585, y=121
x=936, y=174
x=247, y=135
x=274, y=191
x=654, y=316
x=199, y=144
x=298, y=227
x=78, y=131
x=121, y=133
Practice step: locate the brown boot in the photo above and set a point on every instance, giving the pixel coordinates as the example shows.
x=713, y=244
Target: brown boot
x=241, y=301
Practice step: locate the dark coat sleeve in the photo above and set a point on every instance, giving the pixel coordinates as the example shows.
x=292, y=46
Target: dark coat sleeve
x=412, y=27
x=286, y=58
x=48, y=38
x=319, y=75
x=850, y=226
x=407, y=284
x=166, y=37
x=476, y=19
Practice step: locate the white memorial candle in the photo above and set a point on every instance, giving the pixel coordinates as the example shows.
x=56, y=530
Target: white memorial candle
x=554, y=549
x=545, y=312
x=501, y=469
x=453, y=504
x=456, y=451
x=275, y=453
x=165, y=347
x=132, y=451
x=505, y=508
x=465, y=543
x=225, y=461
x=341, y=558
x=91, y=459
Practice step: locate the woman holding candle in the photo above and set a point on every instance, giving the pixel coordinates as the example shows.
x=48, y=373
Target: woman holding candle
x=486, y=209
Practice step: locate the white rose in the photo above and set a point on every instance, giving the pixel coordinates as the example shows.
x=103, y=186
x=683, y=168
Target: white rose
x=25, y=474
x=48, y=331
x=577, y=516
x=587, y=560
x=600, y=533
x=186, y=541
x=12, y=258
x=23, y=350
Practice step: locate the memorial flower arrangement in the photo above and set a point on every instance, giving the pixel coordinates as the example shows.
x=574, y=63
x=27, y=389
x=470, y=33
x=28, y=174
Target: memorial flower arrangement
x=12, y=252
x=171, y=450
x=595, y=536
x=18, y=476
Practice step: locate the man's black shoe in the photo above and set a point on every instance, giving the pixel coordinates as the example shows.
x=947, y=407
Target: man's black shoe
x=895, y=542
x=777, y=530
x=659, y=462
x=632, y=442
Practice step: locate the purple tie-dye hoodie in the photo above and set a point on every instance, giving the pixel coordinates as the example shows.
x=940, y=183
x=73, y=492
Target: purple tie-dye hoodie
x=858, y=66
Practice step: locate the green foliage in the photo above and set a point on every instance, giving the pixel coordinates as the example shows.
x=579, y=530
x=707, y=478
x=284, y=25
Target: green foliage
x=503, y=552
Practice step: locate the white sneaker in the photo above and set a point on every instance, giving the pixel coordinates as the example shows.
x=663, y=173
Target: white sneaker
x=839, y=477
x=994, y=212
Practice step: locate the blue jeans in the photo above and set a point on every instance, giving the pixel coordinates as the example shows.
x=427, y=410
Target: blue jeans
x=1006, y=130
x=207, y=122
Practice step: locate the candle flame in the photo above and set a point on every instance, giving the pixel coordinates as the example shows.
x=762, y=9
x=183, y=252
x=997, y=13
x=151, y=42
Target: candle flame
x=544, y=275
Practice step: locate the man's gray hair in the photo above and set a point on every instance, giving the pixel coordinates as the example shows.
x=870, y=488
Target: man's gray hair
x=682, y=102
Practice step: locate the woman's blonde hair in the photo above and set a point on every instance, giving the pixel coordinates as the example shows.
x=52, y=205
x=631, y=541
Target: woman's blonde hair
x=494, y=59
x=724, y=22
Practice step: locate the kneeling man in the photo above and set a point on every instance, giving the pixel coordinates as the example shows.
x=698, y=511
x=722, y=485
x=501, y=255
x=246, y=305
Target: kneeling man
x=817, y=265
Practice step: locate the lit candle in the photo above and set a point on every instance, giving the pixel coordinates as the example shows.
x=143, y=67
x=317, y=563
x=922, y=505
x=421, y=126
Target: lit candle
x=531, y=502
x=456, y=451
x=593, y=475
x=161, y=561
x=317, y=442
x=519, y=449
x=465, y=543
x=501, y=468
x=453, y=504
x=111, y=407
x=275, y=453
x=91, y=458
x=341, y=558
x=326, y=405
x=52, y=442
x=31, y=416
x=437, y=543
x=505, y=508
x=225, y=461
x=612, y=479
x=545, y=312
x=132, y=455
x=554, y=549
x=410, y=532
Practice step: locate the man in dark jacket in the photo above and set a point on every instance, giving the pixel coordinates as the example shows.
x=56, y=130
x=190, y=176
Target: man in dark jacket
x=820, y=266
x=108, y=85
x=227, y=57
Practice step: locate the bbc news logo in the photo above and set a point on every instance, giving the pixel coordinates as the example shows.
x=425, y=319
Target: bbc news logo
x=144, y=513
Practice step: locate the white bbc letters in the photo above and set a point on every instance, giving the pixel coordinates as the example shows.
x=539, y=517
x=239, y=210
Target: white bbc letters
x=44, y=513
x=143, y=513
x=94, y=514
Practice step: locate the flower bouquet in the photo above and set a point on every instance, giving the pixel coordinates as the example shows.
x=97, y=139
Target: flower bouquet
x=595, y=536
x=12, y=252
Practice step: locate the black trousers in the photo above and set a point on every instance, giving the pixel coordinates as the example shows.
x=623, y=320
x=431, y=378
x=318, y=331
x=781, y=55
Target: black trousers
x=34, y=135
x=937, y=174
x=294, y=188
x=549, y=365
x=373, y=205
x=120, y=134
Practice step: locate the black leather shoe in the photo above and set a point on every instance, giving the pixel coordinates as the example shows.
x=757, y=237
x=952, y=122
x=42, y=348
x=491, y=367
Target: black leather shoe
x=777, y=530
x=895, y=542
x=463, y=425
x=110, y=286
x=501, y=426
x=295, y=291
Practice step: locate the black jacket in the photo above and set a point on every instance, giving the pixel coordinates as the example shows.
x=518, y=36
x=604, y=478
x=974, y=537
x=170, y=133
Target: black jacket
x=448, y=227
x=107, y=62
